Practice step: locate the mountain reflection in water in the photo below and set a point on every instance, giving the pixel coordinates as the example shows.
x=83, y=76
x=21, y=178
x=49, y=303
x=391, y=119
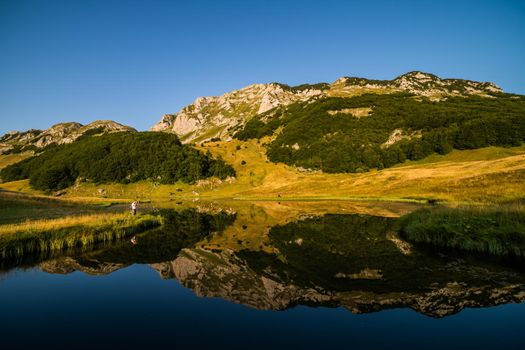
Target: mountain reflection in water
x=274, y=262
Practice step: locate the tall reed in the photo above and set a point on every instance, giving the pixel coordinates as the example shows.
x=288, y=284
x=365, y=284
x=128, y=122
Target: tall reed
x=49, y=235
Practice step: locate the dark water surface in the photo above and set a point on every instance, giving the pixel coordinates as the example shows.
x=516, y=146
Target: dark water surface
x=256, y=279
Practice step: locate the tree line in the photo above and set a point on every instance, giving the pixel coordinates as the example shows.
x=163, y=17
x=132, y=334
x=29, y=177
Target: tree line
x=119, y=157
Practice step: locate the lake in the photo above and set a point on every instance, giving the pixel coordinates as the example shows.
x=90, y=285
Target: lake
x=264, y=275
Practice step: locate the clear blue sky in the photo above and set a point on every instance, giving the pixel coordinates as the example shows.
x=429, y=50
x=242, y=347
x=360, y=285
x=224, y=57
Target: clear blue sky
x=132, y=61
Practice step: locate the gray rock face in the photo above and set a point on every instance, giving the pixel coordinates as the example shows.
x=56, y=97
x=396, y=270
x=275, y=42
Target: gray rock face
x=210, y=117
x=60, y=133
x=23, y=136
x=12, y=138
x=221, y=116
x=425, y=84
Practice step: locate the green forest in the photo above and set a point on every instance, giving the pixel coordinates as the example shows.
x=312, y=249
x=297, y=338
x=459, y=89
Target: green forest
x=119, y=157
x=321, y=134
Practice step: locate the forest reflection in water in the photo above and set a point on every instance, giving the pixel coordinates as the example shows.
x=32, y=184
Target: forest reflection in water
x=275, y=256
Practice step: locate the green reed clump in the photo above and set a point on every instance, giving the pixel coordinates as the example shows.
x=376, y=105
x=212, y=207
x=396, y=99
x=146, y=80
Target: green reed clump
x=497, y=230
x=46, y=238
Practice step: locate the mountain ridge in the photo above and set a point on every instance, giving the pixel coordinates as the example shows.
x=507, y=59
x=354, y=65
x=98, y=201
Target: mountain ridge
x=220, y=116
x=213, y=117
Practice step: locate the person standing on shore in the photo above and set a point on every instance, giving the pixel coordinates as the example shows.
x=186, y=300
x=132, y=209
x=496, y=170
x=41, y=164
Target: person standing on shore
x=134, y=206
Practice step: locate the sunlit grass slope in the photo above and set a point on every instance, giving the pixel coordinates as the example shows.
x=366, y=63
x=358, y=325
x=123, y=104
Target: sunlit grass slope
x=8, y=159
x=487, y=175
x=492, y=174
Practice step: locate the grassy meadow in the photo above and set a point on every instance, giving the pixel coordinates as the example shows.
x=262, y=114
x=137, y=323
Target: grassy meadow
x=486, y=175
x=489, y=175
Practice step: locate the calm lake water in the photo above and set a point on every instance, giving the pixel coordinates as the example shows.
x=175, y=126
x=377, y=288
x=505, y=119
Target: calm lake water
x=263, y=276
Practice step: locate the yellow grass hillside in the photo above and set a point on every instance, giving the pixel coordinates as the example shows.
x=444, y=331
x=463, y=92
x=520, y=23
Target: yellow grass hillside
x=492, y=174
x=8, y=159
x=487, y=175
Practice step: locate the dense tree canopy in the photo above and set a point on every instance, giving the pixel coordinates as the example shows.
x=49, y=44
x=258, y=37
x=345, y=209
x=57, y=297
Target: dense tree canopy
x=119, y=157
x=324, y=134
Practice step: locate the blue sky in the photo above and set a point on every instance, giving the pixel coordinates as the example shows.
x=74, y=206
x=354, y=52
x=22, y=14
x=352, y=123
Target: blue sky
x=132, y=61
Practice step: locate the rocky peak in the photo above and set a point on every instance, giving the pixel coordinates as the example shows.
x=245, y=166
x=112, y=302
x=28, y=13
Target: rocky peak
x=105, y=126
x=426, y=84
x=417, y=76
x=59, y=133
x=416, y=82
x=69, y=132
x=20, y=136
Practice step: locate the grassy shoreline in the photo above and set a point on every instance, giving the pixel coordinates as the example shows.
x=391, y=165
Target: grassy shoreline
x=18, y=207
x=328, y=198
x=58, y=234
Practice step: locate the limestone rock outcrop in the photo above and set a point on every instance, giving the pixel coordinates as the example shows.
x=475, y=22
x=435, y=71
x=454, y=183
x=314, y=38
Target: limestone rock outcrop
x=58, y=134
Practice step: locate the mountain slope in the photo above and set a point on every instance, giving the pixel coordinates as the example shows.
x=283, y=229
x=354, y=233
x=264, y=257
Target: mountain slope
x=212, y=117
x=355, y=134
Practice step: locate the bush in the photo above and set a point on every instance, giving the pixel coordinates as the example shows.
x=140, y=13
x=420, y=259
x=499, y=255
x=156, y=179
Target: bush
x=55, y=177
